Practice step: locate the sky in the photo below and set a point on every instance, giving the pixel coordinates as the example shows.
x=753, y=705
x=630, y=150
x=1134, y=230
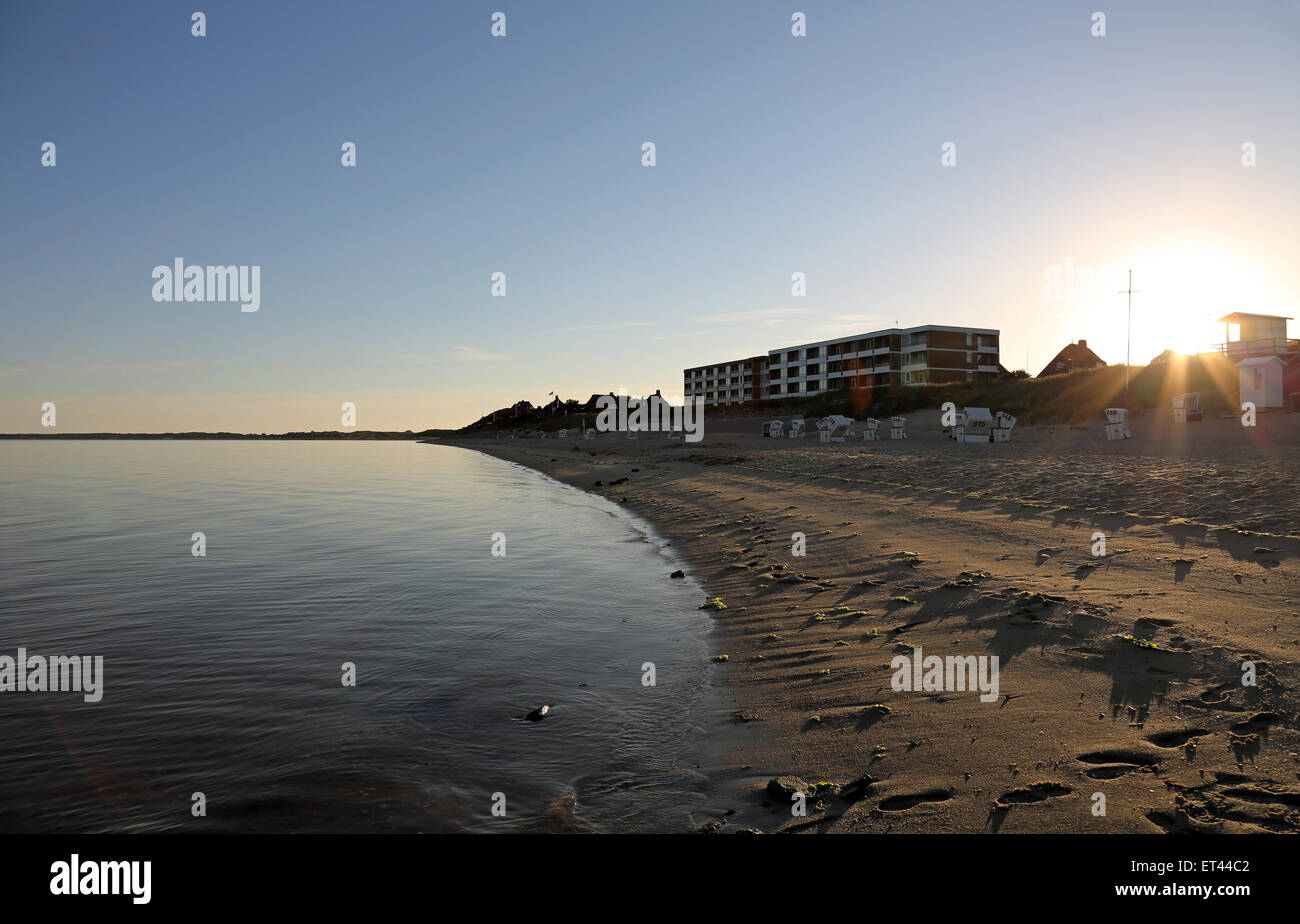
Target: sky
x=1077, y=157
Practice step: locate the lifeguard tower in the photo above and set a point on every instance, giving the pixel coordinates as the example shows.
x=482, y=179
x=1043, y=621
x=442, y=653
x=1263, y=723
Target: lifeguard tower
x=1265, y=357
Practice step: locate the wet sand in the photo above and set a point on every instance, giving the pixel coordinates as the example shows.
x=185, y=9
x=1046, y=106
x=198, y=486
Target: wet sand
x=1120, y=674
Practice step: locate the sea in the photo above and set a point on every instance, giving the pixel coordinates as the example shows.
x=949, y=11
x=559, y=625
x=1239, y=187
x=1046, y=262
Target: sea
x=354, y=651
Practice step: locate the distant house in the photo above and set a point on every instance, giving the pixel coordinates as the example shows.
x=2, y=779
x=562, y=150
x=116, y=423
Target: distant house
x=1075, y=356
x=594, y=403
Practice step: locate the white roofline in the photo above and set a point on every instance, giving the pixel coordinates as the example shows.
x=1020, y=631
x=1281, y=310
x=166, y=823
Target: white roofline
x=888, y=330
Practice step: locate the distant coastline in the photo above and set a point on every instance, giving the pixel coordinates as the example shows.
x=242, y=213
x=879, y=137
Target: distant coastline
x=222, y=435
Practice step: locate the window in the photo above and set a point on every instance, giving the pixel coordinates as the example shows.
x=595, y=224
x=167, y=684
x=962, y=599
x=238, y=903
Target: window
x=814, y=368
x=792, y=356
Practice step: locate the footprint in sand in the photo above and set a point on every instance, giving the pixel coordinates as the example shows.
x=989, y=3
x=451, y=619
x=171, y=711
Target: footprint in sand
x=1037, y=792
x=902, y=803
x=1176, y=738
x=1257, y=722
x=1110, y=771
x=1120, y=756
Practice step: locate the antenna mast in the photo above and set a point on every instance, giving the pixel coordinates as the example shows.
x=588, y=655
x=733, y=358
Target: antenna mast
x=1128, y=349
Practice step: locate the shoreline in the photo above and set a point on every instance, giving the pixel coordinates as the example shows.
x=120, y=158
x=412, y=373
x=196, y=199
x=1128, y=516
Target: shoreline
x=1116, y=671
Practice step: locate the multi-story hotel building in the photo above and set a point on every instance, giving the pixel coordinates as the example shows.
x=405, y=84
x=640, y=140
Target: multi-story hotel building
x=733, y=382
x=898, y=356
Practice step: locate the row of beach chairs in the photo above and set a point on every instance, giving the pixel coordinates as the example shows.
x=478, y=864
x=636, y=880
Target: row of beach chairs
x=973, y=425
x=835, y=428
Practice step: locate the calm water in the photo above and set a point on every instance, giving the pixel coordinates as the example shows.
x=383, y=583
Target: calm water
x=222, y=674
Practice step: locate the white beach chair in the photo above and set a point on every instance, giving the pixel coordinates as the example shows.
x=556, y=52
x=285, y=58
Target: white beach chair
x=871, y=429
x=1117, y=424
x=797, y=427
x=1003, y=424
x=1187, y=407
x=590, y=434
x=834, y=428
x=978, y=423
x=773, y=428
x=897, y=428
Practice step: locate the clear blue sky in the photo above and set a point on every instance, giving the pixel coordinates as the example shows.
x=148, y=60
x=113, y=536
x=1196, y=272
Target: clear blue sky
x=523, y=155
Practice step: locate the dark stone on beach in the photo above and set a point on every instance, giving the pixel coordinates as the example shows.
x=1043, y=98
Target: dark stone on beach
x=712, y=827
x=783, y=787
x=749, y=831
x=598, y=484
x=538, y=714
x=636, y=469
x=624, y=500
x=858, y=788
x=678, y=574
x=617, y=481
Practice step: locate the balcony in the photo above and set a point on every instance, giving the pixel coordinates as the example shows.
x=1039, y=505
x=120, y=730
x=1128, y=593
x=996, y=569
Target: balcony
x=1241, y=349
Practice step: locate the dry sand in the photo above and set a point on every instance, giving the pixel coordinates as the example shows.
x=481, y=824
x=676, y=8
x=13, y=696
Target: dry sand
x=1119, y=674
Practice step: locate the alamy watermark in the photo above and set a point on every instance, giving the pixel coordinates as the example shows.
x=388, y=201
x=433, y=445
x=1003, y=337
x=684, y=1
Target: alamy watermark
x=919, y=672
x=76, y=876
x=651, y=415
x=55, y=674
x=194, y=283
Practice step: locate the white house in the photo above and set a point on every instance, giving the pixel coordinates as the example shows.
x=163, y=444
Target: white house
x=1261, y=380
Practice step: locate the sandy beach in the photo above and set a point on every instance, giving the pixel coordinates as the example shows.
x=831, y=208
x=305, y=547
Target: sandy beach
x=1120, y=674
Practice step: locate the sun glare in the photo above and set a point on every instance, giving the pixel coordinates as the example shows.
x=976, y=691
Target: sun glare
x=1187, y=287
x=1178, y=293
